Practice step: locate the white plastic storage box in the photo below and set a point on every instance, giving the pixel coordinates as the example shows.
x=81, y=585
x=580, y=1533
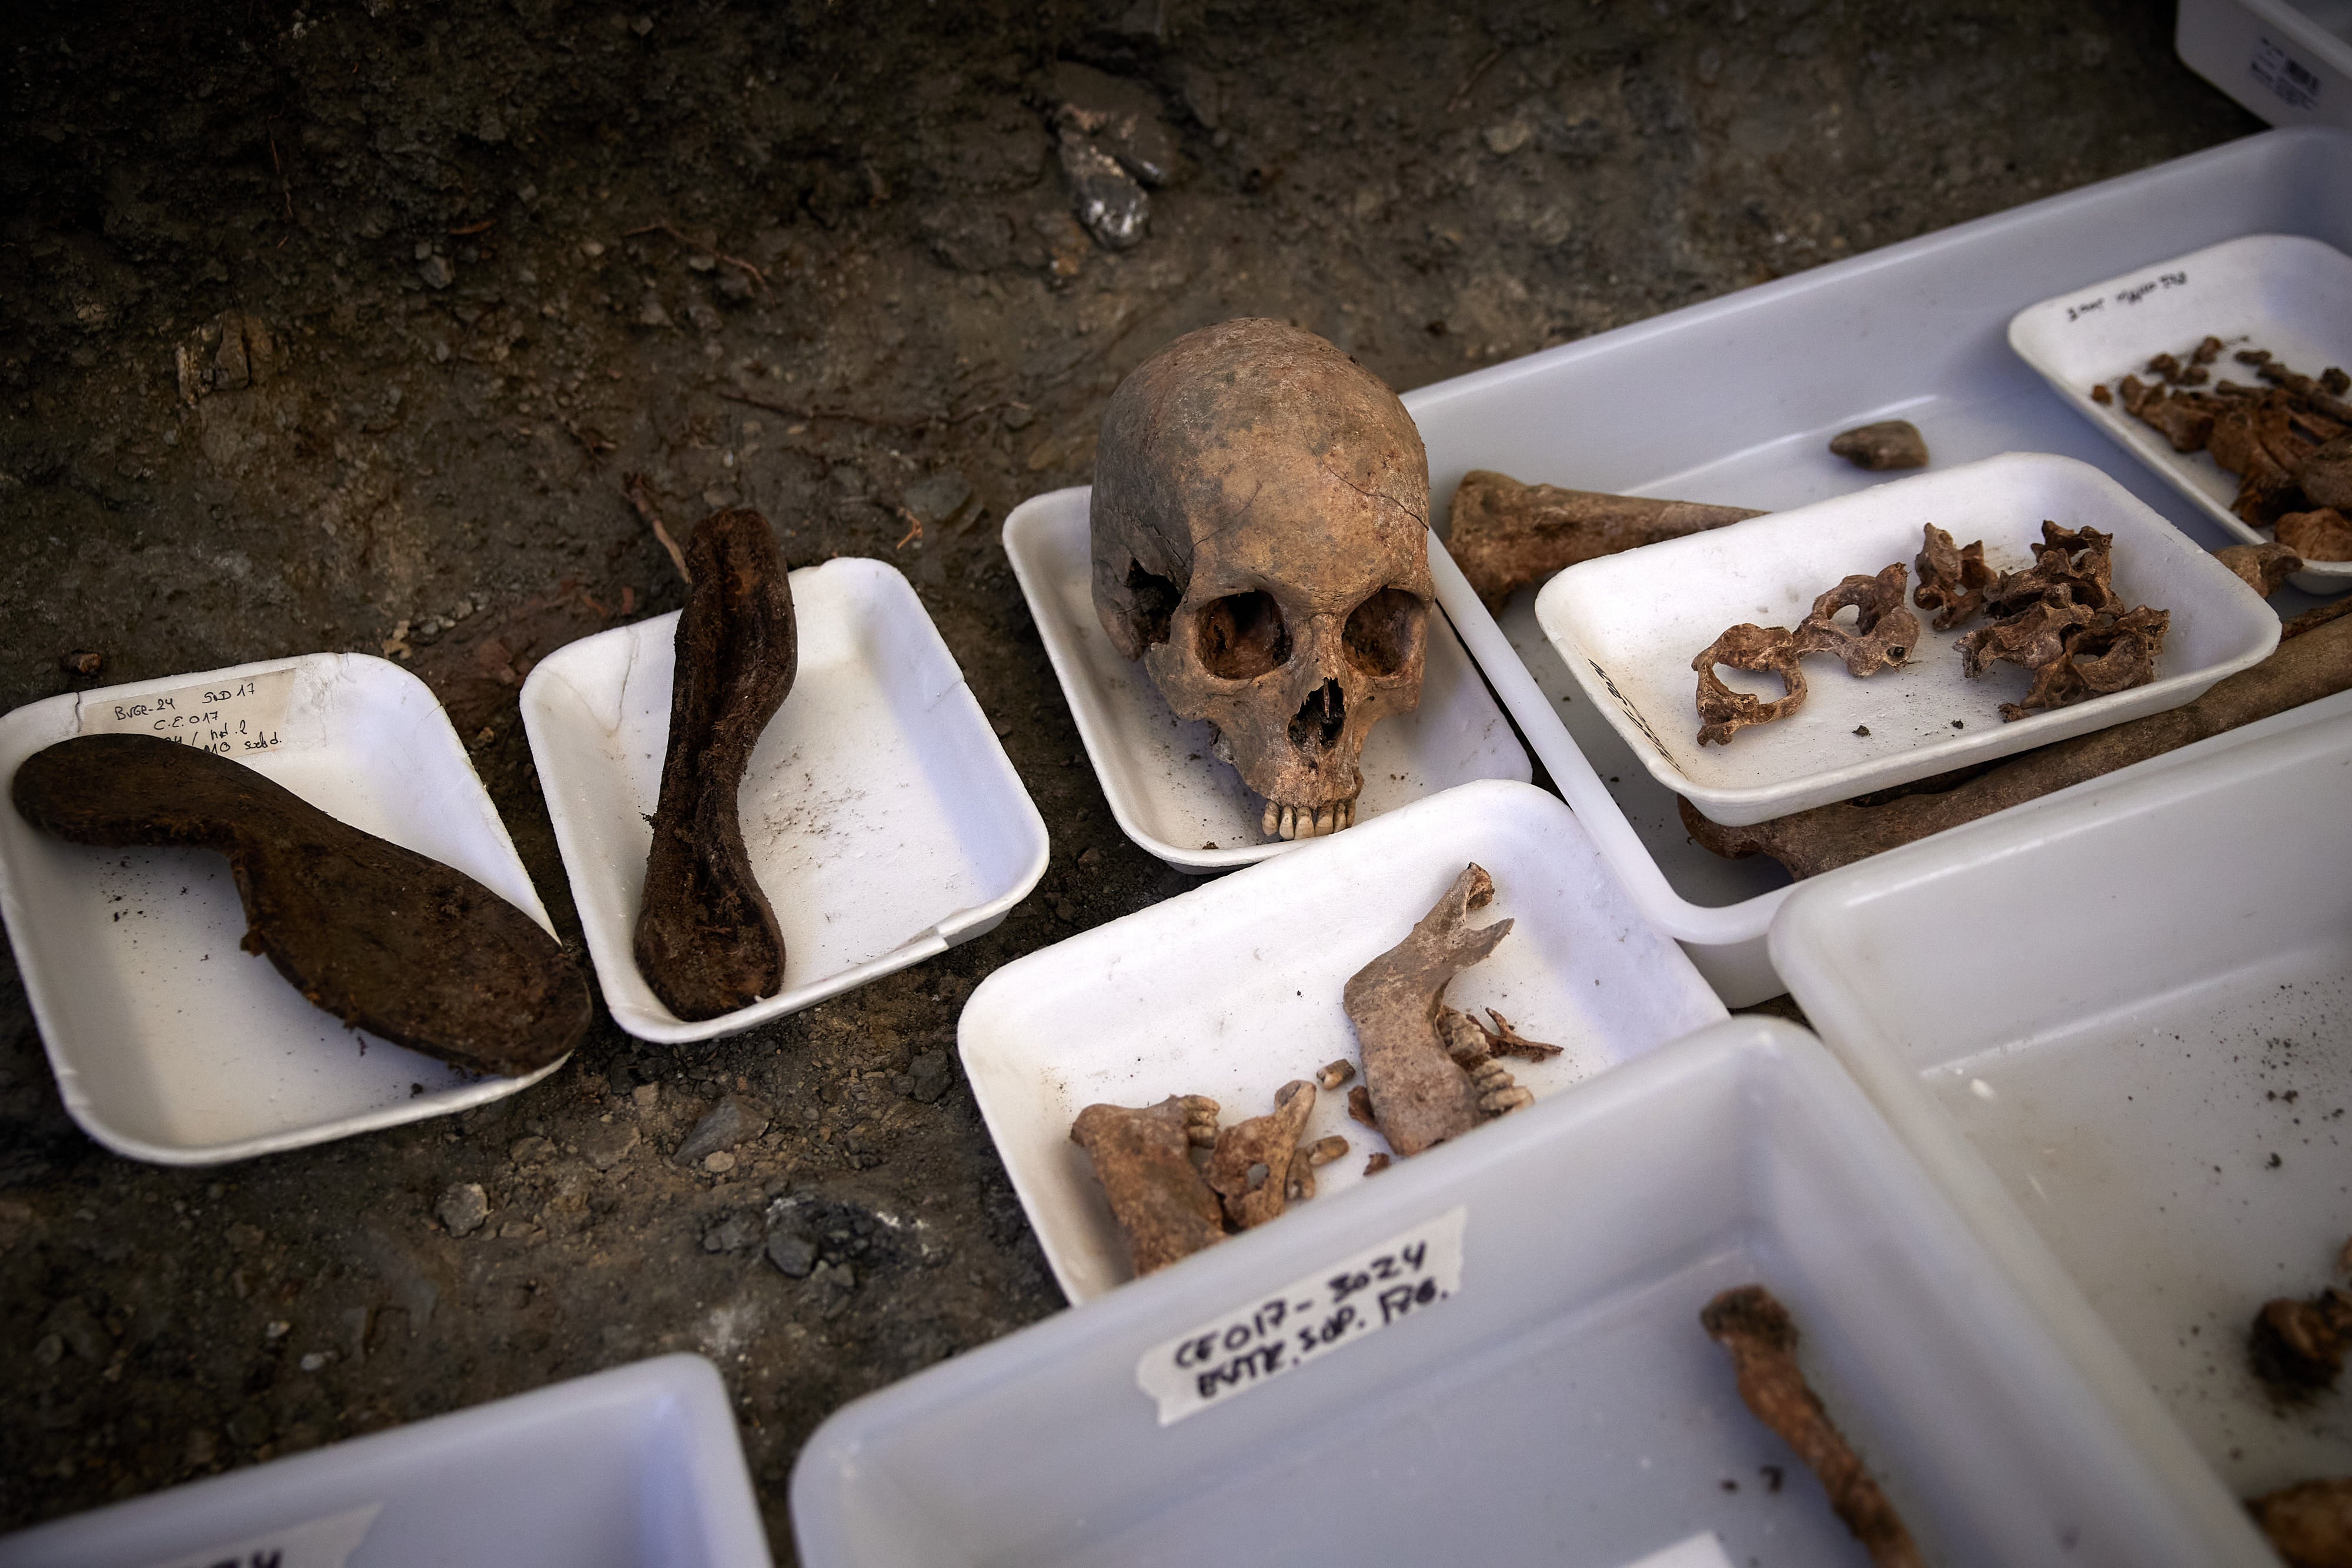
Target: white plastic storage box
x=171, y=1043
x=2289, y=62
x=1233, y=989
x=1734, y=401
x=882, y=817
x=1538, y=1388
x=2117, y=1028
x=1166, y=788
x=635, y=1467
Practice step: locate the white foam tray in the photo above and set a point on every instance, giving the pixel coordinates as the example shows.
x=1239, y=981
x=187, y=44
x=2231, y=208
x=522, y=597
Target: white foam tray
x=2114, y=1060
x=1734, y=401
x=635, y=1467
x=883, y=820
x=1561, y=1404
x=2286, y=293
x=169, y=1042
x=1628, y=625
x=1233, y=989
x=1167, y=791
x=2289, y=62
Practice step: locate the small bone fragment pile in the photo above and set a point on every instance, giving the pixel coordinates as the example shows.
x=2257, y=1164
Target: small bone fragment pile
x=1881, y=639
x=2060, y=619
x=1169, y=1205
x=1889, y=443
x=2314, y=659
x=1430, y=1073
x=1751, y=1323
x=2288, y=442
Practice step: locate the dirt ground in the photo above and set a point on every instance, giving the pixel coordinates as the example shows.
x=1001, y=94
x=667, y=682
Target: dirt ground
x=339, y=325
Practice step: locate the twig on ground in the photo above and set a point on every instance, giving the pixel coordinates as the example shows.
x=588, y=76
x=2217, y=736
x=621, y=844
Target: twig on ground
x=642, y=497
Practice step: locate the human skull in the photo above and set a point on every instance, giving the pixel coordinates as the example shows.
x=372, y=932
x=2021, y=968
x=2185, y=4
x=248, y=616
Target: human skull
x=1259, y=524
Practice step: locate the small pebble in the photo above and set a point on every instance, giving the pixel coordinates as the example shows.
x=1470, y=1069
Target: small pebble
x=794, y=1254
x=437, y=272
x=1889, y=443
x=314, y=1361
x=464, y=1207
x=719, y=1163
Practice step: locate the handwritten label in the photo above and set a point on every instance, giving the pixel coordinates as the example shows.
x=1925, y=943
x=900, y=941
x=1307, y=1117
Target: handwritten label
x=317, y=1543
x=1704, y=1549
x=2296, y=84
x=233, y=717
x=2132, y=295
x=1306, y=1320
x=1626, y=707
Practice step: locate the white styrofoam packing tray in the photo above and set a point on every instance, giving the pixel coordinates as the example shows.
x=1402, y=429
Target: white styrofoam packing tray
x=1563, y=1405
x=635, y=1467
x=2285, y=293
x=1628, y=625
x=169, y=1042
x=883, y=818
x=1167, y=790
x=1232, y=989
x=1733, y=401
x=2111, y=1014
x=2289, y=62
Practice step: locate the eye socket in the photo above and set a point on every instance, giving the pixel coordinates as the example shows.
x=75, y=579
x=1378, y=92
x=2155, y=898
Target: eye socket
x=1154, y=599
x=1384, y=631
x=1241, y=636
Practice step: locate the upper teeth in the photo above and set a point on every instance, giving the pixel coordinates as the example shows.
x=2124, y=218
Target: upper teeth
x=1299, y=823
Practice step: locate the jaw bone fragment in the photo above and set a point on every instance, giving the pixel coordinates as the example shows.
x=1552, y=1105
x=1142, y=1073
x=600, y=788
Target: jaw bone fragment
x=1429, y=1072
x=1257, y=1164
x=1143, y=1159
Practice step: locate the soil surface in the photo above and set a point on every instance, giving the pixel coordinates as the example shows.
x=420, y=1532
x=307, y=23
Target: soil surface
x=340, y=325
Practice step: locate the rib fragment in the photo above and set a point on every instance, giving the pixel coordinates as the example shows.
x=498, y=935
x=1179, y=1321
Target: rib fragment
x=1142, y=1157
x=1751, y=1323
x=706, y=940
x=383, y=937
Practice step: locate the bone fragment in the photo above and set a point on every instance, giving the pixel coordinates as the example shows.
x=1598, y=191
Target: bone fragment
x=1504, y=1040
x=706, y=940
x=1419, y=1095
x=2310, y=1523
x=1375, y=1163
x=2313, y=661
x=2264, y=568
x=1505, y=535
x=1335, y=1074
x=1323, y=1151
x=2298, y=1347
x=1142, y=1159
x=1756, y=1329
x=1724, y=713
x=1359, y=1107
x=1889, y=443
x=1953, y=581
x=1255, y=1165
x=2323, y=534
x=1883, y=631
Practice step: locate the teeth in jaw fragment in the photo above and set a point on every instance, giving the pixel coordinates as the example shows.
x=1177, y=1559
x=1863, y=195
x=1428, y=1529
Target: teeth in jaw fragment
x=1271, y=819
x=1300, y=823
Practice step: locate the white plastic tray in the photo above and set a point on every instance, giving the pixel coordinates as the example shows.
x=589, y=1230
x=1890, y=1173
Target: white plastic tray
x=2120, y=1058
x=1561, y=1404
x=883, y=818
x=1166, y=788
x=1628, y=625
x=1735, y=400
x=169, y=1042
x=635, y=1467
x=2289, y=62
x=2285, y=293
x=1233, y=989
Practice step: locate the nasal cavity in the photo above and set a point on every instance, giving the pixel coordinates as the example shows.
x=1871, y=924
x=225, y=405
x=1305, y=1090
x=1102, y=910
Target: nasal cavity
x=1318, y=723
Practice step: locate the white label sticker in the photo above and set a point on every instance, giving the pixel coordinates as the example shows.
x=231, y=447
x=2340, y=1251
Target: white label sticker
x=1306, y=1320
x=234, y=717
x=1704, y=1549
x=319, y=1544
